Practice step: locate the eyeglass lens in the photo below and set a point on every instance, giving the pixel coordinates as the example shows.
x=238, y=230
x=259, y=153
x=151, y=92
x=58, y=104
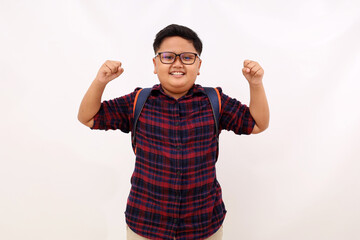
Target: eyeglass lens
x=169, y=57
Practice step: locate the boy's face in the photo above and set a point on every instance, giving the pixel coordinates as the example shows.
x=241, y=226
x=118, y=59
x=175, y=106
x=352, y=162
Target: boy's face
x=176, y=78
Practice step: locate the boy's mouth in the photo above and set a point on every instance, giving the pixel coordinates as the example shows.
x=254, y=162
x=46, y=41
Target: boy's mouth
x=176, y=73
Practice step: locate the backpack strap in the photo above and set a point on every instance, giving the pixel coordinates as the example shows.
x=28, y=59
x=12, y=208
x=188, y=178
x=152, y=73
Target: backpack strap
x=139, y=102
x=215, y=101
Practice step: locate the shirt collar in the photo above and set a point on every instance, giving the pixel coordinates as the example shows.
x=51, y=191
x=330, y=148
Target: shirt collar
x=195, y=89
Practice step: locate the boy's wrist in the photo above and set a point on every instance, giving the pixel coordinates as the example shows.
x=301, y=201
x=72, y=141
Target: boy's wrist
x=100, y=83
x=256, y=85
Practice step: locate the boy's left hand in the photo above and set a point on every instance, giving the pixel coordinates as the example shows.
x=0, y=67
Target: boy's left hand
x=253, y=72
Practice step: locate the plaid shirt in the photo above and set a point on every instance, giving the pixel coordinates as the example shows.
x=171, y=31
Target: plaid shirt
x=174, y=190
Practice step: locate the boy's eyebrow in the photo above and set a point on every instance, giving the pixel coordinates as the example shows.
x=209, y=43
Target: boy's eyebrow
x=178, y=53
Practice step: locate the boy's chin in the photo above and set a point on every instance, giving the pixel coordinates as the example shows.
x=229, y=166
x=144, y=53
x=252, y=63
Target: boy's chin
x=178, y=87
x=177, y=82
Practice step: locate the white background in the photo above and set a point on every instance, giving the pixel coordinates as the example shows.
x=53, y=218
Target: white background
x=298, y=180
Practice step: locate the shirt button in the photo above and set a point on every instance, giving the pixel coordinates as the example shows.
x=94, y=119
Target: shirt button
x=177, y=124
x=175, y=220
x=178, y=173
x=178, y=147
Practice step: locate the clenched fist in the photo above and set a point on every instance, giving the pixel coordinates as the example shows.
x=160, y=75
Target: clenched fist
x=253, y=72
x=109, y=71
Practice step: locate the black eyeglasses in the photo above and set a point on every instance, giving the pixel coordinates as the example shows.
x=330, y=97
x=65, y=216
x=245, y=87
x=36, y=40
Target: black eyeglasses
x=186, y=58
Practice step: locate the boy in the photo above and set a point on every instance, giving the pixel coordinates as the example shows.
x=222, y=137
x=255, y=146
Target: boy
x=175, y=193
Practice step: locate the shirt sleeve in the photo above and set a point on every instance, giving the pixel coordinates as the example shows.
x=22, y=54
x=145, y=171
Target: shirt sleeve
x=116, y=114
x=235, y=116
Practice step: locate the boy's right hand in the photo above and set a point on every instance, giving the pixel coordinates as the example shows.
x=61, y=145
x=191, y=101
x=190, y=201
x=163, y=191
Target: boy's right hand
x=109, y=71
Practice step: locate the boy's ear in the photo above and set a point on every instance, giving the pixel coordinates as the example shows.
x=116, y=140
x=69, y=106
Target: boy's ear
x=154, y=61
x=199, y=67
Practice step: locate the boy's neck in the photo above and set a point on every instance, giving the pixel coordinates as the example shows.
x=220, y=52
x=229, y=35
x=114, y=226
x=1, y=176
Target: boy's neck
x=175, y=95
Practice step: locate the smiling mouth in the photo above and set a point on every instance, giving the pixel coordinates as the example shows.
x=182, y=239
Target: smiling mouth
x=177, y=73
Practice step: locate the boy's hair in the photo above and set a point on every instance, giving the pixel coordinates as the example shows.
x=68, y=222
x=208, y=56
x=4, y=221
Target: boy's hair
x=180, y=31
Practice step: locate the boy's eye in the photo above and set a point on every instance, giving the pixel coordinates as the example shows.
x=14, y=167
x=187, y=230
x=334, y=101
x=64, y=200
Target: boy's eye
x=188, y=57
x=167, y=56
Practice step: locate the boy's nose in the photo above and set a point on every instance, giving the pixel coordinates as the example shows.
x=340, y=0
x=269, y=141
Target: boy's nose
x=177, y=61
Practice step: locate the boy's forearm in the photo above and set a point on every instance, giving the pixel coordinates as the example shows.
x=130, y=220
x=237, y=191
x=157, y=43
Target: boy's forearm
x=91, y=102
x=259, y=107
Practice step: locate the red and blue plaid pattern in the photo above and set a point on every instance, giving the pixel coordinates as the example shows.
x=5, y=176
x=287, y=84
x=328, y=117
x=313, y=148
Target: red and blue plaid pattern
x=174, y=190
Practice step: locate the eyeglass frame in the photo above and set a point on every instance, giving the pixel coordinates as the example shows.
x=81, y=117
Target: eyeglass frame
x=176, y=55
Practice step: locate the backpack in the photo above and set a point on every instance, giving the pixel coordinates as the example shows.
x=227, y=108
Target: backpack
x=143, y=94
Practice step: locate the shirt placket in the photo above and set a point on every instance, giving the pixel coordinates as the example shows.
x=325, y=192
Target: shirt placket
x=178, y=167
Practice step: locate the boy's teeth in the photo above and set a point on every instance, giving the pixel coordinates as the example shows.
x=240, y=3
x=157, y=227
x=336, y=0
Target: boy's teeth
x=177, y=73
